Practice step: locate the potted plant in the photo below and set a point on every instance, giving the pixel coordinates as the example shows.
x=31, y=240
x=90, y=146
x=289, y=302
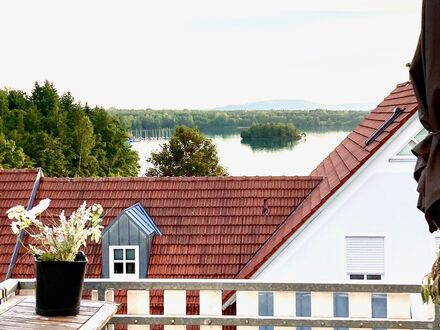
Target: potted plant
x=60, y=265
x=431, y=283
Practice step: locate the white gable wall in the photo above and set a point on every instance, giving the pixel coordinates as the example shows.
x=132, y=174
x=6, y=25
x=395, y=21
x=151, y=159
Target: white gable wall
x=379, y=200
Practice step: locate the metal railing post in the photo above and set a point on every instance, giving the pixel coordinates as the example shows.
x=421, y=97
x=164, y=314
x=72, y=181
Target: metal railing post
x=436, y=321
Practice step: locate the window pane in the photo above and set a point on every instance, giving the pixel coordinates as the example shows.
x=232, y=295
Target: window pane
x=118, y=254
x=130, y=268
x=379, y=305
x=407, y=150
x=374, y=277
x=118, y=268
x=129, y=254
x=265, y=307
x=356, y=276
x=421, y=135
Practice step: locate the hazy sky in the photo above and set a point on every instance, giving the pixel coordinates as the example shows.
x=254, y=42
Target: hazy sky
x=203, y=54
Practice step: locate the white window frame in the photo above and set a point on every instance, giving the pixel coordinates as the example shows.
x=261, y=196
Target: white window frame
x=406, y=158
x=366, y=273
x=123, y=276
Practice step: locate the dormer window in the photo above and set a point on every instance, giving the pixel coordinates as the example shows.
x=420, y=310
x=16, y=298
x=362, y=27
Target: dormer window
x=126, y=244
x=124, y=261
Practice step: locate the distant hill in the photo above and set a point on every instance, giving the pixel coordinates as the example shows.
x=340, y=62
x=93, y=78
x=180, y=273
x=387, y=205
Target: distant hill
x=295, y=105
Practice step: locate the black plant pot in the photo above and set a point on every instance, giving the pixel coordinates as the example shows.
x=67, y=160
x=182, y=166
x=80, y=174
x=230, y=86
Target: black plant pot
x=59, y=286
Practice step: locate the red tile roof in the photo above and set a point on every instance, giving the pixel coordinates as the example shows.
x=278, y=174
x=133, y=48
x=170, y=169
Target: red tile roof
x=15, y=188
x=211, y=226
x=347, y=158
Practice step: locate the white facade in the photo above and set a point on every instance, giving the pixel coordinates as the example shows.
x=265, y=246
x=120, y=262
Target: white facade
x=379, y=200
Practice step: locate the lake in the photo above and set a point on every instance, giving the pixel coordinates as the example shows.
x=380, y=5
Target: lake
x=297, y=158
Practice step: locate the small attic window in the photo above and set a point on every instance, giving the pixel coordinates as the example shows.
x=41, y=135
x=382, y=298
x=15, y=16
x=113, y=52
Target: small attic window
x=396, y=113
x=405, y=153
x=124, y=262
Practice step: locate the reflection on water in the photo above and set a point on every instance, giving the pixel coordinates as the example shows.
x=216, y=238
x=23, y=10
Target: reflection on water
x=221, y=131
x=270, y=144
x=242, y=159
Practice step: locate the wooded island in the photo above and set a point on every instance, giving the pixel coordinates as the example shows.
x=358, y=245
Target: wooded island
x=286, y=132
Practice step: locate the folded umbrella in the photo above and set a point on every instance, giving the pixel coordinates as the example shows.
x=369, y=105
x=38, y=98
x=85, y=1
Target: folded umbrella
x=425, y=77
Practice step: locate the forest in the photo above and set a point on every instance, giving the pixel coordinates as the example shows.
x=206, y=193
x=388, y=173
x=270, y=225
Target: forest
x=63, y=137
x=211, y=121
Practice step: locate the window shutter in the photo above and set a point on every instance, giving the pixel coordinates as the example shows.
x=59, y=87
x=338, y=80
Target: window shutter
x=365, y=255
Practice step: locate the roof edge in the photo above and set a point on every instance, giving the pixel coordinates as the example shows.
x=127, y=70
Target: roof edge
x=125, y=211
x=17, y=246
x=147, y=215
x=186, y=179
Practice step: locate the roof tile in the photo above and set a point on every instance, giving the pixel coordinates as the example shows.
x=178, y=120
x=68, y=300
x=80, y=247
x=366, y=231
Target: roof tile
x=211, y=226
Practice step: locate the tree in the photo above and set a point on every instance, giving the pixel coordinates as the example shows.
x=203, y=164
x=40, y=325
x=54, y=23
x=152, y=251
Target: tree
x=62, y=136
x=188, y=153
x=48, y=152
x=12, y=156
x=115, y=156
x=83, y=141
x=45, y=97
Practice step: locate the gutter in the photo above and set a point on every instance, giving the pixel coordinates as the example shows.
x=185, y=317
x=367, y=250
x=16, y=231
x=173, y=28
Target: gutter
x=21, y=235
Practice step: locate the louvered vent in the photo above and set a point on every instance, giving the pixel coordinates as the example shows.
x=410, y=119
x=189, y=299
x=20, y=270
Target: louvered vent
x=365, y=255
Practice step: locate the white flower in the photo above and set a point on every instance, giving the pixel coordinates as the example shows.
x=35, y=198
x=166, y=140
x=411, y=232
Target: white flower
x=97, y=208
x=63, y=217
x=15, y=212
x=35, y=251
x=40, y=208
x=15, y=227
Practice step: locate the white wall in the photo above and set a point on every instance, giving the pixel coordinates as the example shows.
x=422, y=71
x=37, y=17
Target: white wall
x=379, y=200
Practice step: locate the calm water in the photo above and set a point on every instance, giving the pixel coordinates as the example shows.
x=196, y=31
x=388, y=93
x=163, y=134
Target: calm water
x=297, y=158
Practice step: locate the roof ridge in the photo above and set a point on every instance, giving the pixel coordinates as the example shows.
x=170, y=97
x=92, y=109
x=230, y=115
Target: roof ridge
x=19, y=170
x=184, y=179
x=403, y=84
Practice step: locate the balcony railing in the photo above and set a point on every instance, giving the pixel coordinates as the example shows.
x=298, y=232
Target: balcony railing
x=217, y=294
